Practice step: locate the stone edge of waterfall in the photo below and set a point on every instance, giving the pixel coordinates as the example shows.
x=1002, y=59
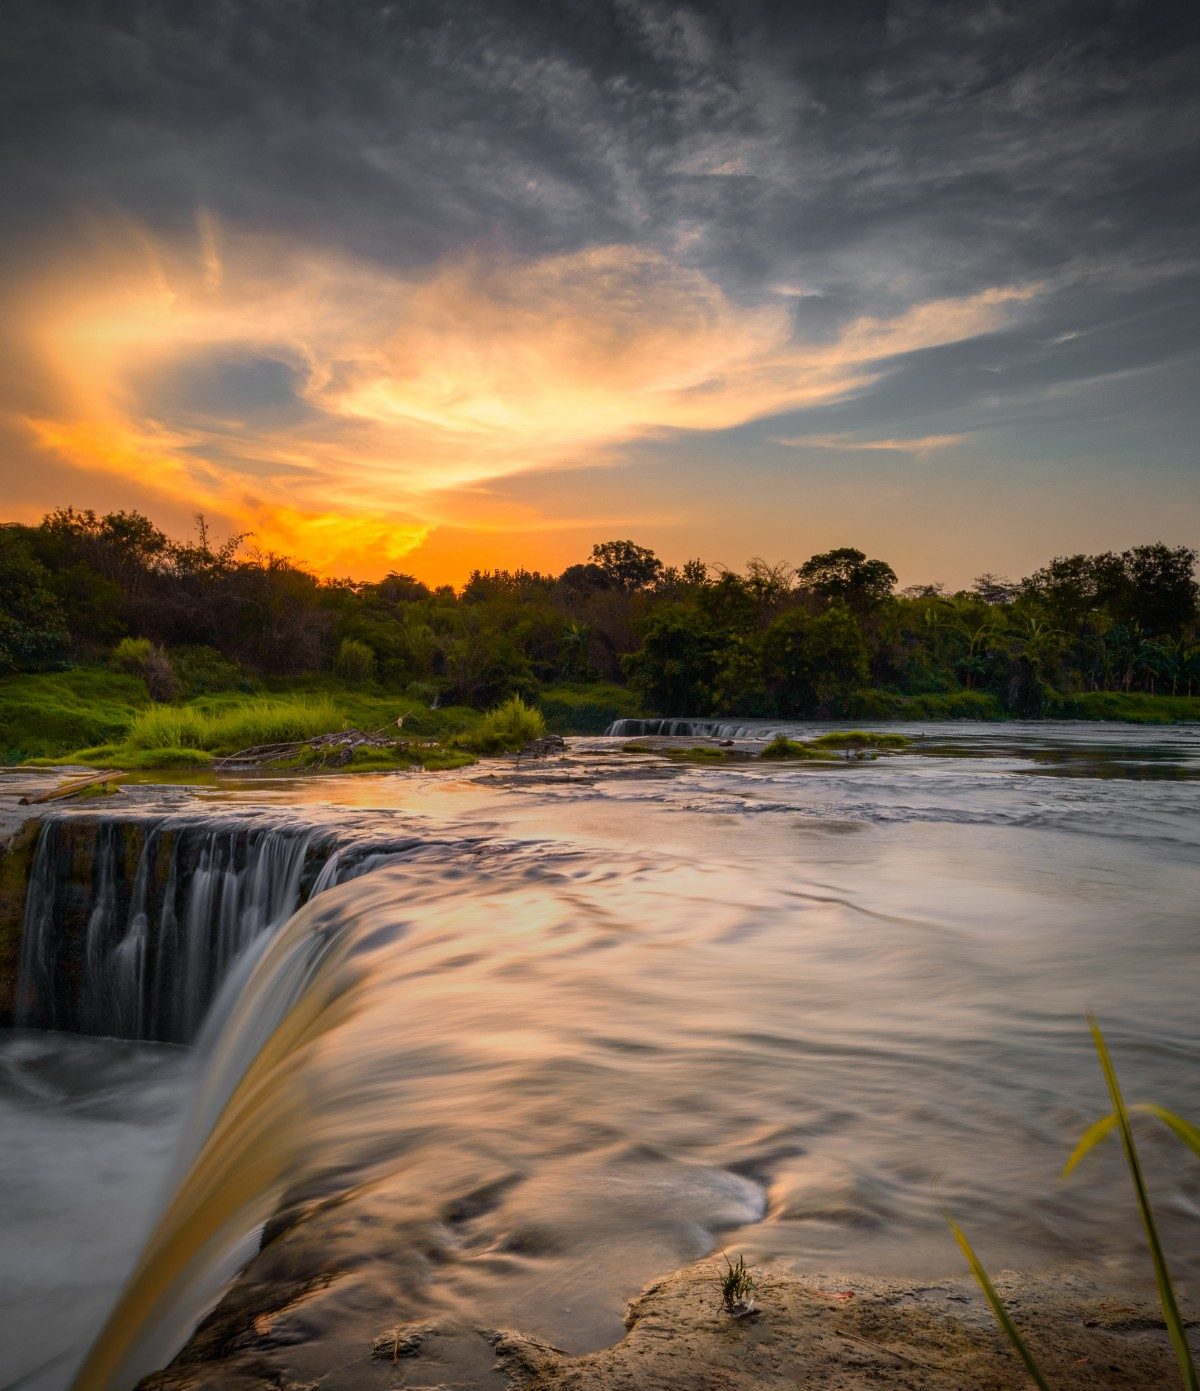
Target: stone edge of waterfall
x=18, y=842
x=89, y=898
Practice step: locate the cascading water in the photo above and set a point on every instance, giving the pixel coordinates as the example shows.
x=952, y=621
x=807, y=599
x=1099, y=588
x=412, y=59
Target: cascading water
x=696, y=729
x=234, y=1155
x=572, y=1033
x=132, y=927
x=154, y=946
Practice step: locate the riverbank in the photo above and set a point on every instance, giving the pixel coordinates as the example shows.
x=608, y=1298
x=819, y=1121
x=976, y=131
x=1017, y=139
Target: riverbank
x=98, y=717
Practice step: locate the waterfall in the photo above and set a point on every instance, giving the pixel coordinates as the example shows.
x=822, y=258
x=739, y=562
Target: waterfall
x=131, y=928
x=238, y=1148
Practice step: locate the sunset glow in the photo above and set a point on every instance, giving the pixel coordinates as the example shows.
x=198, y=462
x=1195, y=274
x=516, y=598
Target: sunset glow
x=406, y=397
x=722, y=298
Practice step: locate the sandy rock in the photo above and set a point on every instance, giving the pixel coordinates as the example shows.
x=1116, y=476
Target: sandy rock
x=852, y=1333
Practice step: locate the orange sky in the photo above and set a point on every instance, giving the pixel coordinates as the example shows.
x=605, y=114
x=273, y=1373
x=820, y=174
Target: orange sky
x=361, y=420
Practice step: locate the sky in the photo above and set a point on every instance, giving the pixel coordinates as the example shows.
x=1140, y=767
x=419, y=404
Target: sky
x=431, y=287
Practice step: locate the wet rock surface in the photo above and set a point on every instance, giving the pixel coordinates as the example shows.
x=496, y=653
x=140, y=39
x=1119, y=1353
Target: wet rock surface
x=838, y=1333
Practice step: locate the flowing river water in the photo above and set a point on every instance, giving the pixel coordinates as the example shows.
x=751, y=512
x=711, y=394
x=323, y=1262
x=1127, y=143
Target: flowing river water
x=543, y=1031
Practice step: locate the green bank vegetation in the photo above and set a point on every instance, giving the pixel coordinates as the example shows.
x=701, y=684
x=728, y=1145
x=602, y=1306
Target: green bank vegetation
x=103, y=719
x=826, y=746
x=1120, y=1120
x=109, y=614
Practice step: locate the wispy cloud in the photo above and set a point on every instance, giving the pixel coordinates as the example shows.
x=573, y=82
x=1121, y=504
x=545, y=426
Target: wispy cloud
x=915, y=447
x=413, y=394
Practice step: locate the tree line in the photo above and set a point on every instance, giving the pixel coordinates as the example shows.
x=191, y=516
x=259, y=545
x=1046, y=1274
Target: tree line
x=831, y=636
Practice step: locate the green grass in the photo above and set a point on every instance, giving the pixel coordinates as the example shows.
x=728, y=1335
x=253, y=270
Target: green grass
x=738, y=1287
x=698, y=753
x=996, y=1304
x=1132, y=706
x=265, y=720
x=933, y=705
x=587, y=708
x=122, y=756
x=431, y=757
x=782, y=749
x=104, y=719
x=508, y=727
x=45, y=715
x=861, y=739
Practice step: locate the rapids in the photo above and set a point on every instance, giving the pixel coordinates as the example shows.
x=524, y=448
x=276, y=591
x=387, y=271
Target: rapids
x=538, y=1033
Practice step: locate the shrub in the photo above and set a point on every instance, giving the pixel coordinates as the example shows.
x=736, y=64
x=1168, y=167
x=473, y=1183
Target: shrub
x=159, y=676
x=354, y=663
x=129, y=654
x=424, y=693
x=204, y=671
x=509, y=726
x=141, y=657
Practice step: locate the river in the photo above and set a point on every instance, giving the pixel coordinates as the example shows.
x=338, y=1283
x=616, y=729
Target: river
x=563, y=1026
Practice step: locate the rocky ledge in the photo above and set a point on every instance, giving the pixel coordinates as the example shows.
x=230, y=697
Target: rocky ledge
x=833, y=1333
x=855, y=1333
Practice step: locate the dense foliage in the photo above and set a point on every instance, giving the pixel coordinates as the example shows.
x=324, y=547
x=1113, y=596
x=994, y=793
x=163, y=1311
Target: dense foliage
x=829, y=637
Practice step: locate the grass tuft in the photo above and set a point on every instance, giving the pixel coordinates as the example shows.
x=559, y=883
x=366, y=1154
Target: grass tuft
x=861, y=739
x=1119, y=1120
x=738, y=1288
x=781, y=748
x=505, y=729
x=699, y=753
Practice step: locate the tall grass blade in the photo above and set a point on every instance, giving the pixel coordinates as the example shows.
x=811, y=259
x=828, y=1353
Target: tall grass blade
x=1185, y=1130
x=1091, y=1137
x=997, y=1307
x=1162, y=1276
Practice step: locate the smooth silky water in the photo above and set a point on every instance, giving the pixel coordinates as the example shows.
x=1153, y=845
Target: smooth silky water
x=564, y=1026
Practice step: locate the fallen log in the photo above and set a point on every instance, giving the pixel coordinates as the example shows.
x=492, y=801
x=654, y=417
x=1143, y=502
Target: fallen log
x=338, y=748
x=69, y=789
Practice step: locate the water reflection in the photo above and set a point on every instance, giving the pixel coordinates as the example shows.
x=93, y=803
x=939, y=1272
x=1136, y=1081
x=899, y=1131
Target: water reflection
x=630, y=1010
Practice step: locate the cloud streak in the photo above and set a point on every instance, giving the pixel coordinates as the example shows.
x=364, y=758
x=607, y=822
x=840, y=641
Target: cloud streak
x=410, y=395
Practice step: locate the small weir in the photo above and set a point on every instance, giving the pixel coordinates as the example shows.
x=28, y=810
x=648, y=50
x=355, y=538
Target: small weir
x=695, y=729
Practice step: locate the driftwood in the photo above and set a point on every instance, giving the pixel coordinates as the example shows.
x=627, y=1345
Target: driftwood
x=69, y=789
x=336, y=749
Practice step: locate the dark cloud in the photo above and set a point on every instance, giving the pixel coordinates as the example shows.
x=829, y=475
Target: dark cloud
x=861, y=145
x=867, y=156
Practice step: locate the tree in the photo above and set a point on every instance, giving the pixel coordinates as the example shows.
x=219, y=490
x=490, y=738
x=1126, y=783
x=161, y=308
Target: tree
x=1162, y=593
x=846, y=575
x=629, y=567
x=815, y=664
x=994, y=589
x=578, y=581
x=33, y=634
x=676, y=668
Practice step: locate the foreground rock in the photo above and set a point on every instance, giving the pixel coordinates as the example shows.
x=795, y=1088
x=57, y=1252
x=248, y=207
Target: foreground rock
x=852, y=1334
x=835, y=1334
